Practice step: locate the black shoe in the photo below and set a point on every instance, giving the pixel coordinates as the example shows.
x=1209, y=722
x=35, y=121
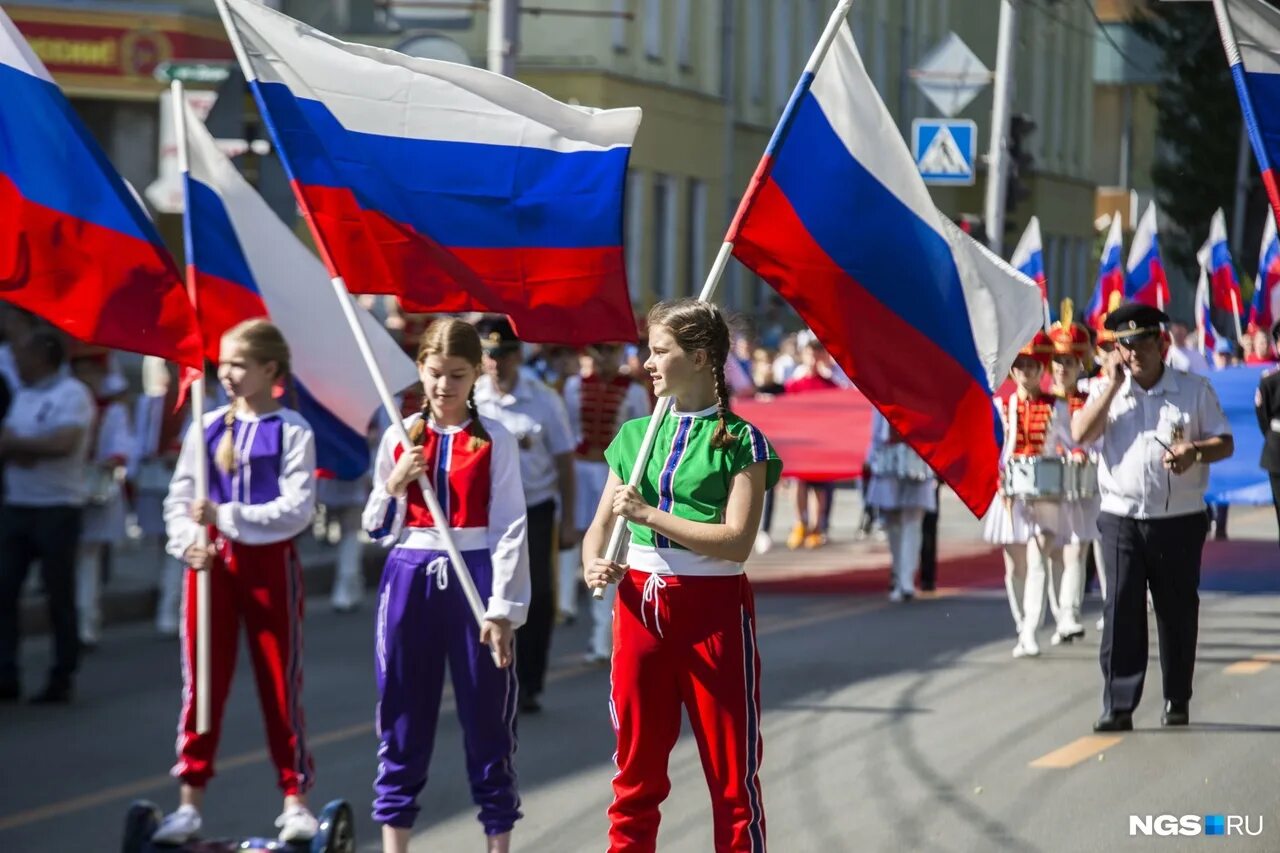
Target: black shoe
x=10, y=691
x=53, y=694
x=530, y=705
x=1114, y=721
x=1176, y=714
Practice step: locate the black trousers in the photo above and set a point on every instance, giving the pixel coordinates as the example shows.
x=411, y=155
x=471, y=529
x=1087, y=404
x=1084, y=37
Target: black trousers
x=929, y=545
x=1164, y=555
x=533, y=640
x=50, y=535
x=1275, y=494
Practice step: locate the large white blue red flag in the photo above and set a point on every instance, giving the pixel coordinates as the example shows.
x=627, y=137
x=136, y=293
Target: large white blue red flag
x=246, y=263
x=1146, y=281
x=842, y=226
x=1264, y=311
x=453, y=187
x=1224, y=287
x=1250, y=31
x=76, y=246
x=1110, y=278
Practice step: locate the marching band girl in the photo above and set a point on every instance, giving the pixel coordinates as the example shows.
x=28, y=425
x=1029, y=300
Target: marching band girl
x=684, y=624
x=1028, y=529
x=261, y=462
x=473, y=464
x=1071, y=359
x=902, y=489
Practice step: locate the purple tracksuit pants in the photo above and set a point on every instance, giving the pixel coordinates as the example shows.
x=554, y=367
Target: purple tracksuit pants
x=424, y=620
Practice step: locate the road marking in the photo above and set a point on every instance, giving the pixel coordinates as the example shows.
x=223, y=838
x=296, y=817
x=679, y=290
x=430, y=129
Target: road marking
x=1271, y=657
x=1247, y=667
x=1076, y=751
x=157, y=782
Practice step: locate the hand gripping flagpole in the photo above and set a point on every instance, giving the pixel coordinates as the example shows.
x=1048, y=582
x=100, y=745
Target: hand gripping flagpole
x=362, y=342
x=618, y=538
x=179, y=105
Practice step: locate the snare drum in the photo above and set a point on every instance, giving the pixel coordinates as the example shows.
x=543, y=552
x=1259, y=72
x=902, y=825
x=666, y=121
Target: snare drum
x=1081, y=479
x=1034, y=478
x=900, y=462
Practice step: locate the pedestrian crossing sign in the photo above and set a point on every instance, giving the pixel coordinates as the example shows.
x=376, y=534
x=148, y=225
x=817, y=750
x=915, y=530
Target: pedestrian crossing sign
x=944, y=150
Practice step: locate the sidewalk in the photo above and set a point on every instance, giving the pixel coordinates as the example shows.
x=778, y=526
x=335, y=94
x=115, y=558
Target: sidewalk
x=846, y=564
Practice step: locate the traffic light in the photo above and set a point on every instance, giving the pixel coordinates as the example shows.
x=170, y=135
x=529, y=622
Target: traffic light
x=1020, y=161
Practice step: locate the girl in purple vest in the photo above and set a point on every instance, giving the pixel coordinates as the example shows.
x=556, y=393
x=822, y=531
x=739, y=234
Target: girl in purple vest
x=473, y=465
x=261, y=462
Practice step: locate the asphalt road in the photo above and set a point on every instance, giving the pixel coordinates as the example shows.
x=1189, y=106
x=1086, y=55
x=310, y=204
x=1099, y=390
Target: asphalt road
x=896, y=728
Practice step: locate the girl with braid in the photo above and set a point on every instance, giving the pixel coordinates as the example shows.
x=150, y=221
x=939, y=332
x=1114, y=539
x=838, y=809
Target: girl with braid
x=473, y=465
x=261, y=462
x=684, y=622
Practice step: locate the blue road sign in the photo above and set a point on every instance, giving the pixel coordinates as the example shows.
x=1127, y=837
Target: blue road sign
x=944, y=150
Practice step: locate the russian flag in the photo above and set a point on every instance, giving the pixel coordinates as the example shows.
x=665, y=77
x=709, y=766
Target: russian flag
x=247, y=263
x=841, y=225
x=1028, y=259
x=1224, y=287
x=1204, y=314
x=1146, y=281
x=1250, y=31
x=453, y=187
x=1265, y=308
x=1110, y=278
x=76, y=247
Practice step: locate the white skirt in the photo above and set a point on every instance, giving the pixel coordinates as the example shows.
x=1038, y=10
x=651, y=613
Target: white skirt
x=1080, y=520
x=1015, y=522
x=897, y=493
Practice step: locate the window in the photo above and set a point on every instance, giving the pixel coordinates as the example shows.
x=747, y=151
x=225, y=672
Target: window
x=620, y=7
x=755, y=50
x=782, y=71
x=653, y=28
x=697, y=231
x=634, y=226
x=684, y=33
x=664, y=237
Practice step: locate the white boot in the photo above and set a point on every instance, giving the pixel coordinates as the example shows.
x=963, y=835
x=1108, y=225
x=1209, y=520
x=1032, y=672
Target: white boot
x=348, y=580
x=89, y=594
x=297, y=823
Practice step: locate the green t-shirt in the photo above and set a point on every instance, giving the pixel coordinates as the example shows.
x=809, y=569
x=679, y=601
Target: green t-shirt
x=686, y=476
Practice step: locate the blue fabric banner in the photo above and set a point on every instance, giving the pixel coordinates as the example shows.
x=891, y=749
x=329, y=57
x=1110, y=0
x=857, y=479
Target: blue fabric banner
x=1239, y=480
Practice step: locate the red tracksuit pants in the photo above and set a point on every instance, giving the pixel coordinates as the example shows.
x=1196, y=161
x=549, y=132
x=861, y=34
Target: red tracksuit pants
x=686, y=642
x=260, y=585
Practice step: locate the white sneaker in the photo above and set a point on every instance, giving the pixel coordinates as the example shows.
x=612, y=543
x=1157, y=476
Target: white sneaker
x=896, y=595
x=297, y=824
x=1026, y=648
x=764, y=543
x=178, y=827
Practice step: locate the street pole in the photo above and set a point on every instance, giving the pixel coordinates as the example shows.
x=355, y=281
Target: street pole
x=504, y=19
x=997, y=167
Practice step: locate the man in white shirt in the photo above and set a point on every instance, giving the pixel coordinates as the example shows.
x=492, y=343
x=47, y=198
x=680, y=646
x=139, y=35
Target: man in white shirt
x=45, y=445
x=1182, y=357
x=1160, y=429
x=536, y=416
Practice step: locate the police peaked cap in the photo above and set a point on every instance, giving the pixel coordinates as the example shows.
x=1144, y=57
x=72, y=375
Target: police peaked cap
x=1134, y=320
x=496, y=335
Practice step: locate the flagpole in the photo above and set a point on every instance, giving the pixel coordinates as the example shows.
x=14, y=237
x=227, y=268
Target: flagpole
x=201, y=476
x=1235, y=313
x=362, y=340
x=617, y=538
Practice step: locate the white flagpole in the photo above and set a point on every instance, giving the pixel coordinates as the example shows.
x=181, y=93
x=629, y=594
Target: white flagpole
x=366, y=352
x=1235, y=313
x=179, y=106
x=618, y=539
